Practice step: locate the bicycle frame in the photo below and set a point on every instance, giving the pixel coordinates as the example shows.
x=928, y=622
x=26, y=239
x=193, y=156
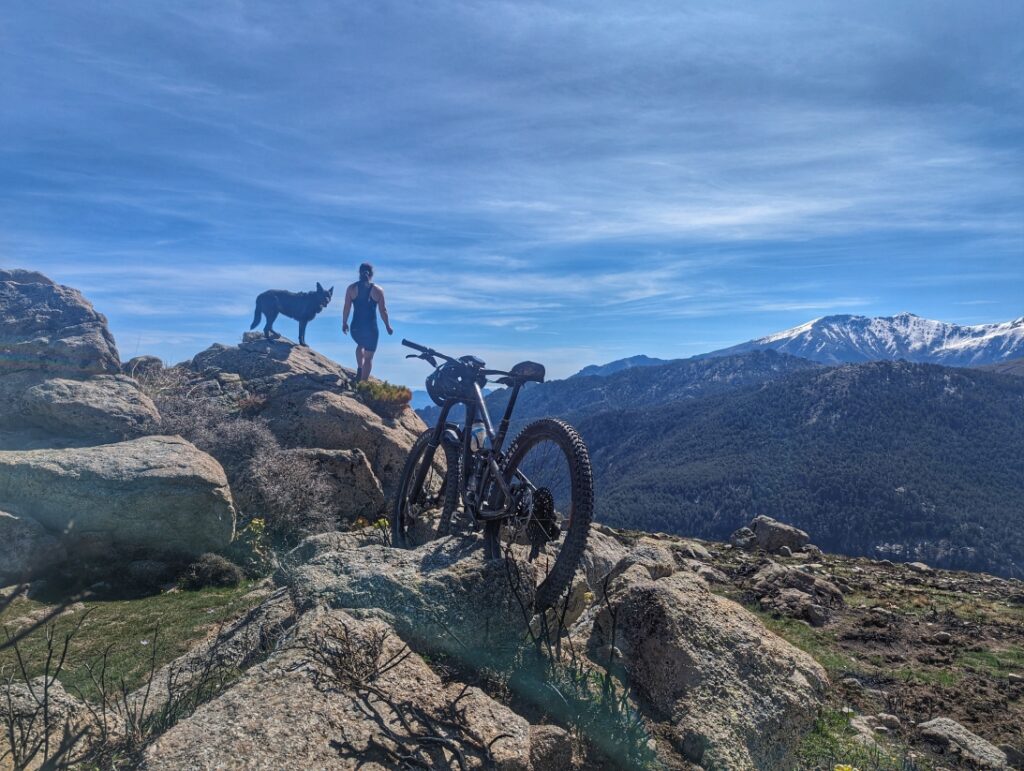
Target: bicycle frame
x=471, y=490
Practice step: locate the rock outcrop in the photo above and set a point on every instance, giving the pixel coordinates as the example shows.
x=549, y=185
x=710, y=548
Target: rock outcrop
x=80, y=477
x=156, y=494
x=103, y=408
x=307, y=401
x=26, y=548
x=771, y=535
x=356, y=682
x=51, y=328
x=951, y=737
x=733, y=695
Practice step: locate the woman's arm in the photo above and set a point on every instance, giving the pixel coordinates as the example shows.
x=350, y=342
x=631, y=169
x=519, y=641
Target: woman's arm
x=383, y=310
x=345, y=310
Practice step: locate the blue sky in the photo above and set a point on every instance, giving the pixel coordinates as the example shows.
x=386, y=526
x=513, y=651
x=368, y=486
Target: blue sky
x=570, y=182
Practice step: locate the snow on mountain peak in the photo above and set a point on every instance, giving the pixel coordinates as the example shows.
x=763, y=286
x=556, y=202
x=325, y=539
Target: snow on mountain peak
x=846, y=338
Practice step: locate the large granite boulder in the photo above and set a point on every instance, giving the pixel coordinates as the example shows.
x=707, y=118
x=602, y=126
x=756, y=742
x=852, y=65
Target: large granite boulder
x=103, y=408
x=52, y=328
x=354, y=487
x=345, y=694
x=949, y=737
x=442, y=597
x=158, y=494
x=338, y=421
x=26, y=549
x=732, y=694
x=769, y=534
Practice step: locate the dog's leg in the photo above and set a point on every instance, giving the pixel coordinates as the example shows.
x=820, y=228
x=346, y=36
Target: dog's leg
x=302, y=331
x=268, y=330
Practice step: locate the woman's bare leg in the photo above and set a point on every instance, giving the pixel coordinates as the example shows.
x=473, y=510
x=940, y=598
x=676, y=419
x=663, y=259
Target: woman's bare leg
x=367, y=364
x=359, y=362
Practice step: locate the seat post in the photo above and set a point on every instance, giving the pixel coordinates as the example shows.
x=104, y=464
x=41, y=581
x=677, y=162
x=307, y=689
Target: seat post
x=507, y=417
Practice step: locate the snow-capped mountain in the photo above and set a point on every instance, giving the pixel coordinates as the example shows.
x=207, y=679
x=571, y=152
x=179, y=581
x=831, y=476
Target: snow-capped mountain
x=845, y=339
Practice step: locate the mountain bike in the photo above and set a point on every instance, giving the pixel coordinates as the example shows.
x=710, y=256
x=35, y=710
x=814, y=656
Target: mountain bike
x=534, y=500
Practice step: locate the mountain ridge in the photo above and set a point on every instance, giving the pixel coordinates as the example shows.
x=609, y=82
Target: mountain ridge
x=847, y=338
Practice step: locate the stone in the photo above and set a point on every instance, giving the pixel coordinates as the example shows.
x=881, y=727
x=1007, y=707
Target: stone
x=104, y=408
x=602, y=553
x=772, y=535
x=27, y=550
x=442, y=597
x=159, y=494
x=734, y=695
x=952, y=737
x=744, y=538
x=338, y=421
x=784, y=551
x=257, y=358
x=693, y=550
x=891, y=722
x=356, y=489
x=796, y=592
x=51, y=328
x=920, y=567
x=550, y=748
x=142, y=366
x=310, y=717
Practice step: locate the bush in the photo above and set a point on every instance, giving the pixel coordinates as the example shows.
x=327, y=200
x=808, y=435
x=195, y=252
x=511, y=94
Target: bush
x=211, y=570
x=289, y=493
x=386, y=399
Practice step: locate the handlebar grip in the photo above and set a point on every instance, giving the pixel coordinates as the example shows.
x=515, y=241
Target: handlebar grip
x=415, y=346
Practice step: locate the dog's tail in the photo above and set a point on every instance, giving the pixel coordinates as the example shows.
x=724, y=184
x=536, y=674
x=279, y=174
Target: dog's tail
x=258, y=316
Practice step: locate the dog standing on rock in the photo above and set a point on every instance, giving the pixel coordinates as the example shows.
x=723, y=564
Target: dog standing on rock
x=301, y=306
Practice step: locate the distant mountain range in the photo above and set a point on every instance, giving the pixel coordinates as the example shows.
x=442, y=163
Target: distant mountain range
x=638, y=387
x=851, y=339
x=603, y=370
x=909, y=461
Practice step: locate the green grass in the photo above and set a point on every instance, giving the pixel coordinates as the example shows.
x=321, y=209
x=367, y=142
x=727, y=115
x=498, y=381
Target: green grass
x=832, y=743
x=821, y=644
x=994, y=663
x=169, y=623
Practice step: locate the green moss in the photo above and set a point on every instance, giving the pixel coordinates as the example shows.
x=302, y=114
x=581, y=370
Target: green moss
x=131, y=630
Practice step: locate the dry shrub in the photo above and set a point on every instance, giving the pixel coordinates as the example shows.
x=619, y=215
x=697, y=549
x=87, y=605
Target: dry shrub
x=211, y=570
x=290, y=494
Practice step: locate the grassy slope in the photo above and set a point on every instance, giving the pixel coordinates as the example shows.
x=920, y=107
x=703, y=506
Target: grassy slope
x=136, y=632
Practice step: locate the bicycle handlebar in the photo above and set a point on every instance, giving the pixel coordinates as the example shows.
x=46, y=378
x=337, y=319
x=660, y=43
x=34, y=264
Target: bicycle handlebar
x=426, y=352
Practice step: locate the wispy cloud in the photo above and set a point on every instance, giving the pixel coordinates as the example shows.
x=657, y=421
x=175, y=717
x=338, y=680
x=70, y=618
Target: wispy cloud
x=609, y=179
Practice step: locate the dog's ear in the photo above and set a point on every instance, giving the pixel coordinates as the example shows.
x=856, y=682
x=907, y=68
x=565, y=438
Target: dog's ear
x=318, y=287
x=330, y=292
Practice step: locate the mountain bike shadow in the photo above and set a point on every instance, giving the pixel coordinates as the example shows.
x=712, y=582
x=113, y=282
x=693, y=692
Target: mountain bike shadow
x=449, y=549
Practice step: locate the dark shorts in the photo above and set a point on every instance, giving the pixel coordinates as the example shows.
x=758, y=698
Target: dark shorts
x=366, y=336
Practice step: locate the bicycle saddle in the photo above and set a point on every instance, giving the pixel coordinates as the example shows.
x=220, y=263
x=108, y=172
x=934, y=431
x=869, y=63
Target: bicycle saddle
x=524, y=372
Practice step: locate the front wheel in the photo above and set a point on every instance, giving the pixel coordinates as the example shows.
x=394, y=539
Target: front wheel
x=424, y=511
x=548, y=472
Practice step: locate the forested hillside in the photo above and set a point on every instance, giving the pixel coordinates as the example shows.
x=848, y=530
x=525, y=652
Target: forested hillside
x=641, y=387
x=887, y=459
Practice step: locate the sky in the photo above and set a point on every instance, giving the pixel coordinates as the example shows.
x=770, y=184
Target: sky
x=570, y=183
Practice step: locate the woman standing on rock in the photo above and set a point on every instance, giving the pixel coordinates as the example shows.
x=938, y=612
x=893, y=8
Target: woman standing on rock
x=365, y=298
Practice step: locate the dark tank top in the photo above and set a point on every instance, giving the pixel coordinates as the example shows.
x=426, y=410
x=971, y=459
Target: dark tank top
x=364, y=307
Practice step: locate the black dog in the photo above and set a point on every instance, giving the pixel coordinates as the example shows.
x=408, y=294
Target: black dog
x=301, y=306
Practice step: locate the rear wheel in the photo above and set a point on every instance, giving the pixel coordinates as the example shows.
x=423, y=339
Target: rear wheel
x=424, y=512
x=548, y=471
